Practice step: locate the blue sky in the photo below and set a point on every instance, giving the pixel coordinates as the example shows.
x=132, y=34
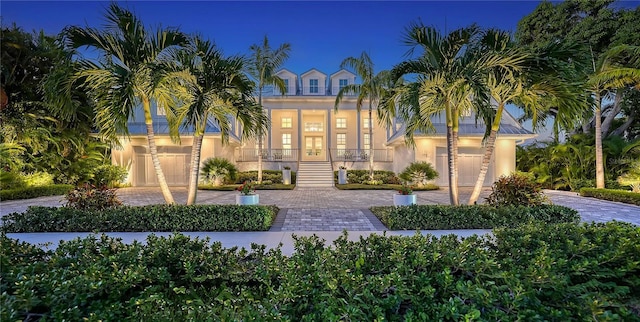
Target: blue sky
x=321, y=33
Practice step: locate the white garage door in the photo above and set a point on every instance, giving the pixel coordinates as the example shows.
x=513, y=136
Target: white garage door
x=469, y=163
x=173, y=160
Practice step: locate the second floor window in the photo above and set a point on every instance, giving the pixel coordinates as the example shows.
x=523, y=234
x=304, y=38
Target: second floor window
x=366, y=121
x=367, y=141
x=313, y=126
x=286, y=123
x=341, y=123
x=160, y=110
x=343, y=83
x=313, y=86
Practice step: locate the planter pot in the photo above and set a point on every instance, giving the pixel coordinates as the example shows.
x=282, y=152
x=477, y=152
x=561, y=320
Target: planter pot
x=342, y=176
x=247, y=199
x=404, y=200
x=286, y=176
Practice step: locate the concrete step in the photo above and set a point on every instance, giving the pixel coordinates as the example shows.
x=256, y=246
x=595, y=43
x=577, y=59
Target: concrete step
x=314, y=174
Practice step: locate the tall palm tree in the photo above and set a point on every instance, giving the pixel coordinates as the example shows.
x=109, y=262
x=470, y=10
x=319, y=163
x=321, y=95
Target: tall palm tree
x=617, y=68
x=214, y=89
x=536, y=86
x=372, y=88
x=263, y=64
x=127, y=75
x=449, y=81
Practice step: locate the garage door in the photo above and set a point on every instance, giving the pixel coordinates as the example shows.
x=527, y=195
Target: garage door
x=173, y=160
x=469, y=163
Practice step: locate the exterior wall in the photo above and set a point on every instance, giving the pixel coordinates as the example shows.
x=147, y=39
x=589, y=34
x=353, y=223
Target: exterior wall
x=504, y=157
x=334, y=81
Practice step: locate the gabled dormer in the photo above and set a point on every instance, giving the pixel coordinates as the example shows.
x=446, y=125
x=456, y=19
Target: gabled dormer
x=341, y=79
x=314, y=82
x=290, y=82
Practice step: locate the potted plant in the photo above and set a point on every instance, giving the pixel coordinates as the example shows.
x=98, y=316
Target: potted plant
x=247, y=194
x=404, y=197
x=286, y=175
x=342, y=175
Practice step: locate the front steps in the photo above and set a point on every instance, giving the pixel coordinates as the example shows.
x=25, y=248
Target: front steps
x=314, y=175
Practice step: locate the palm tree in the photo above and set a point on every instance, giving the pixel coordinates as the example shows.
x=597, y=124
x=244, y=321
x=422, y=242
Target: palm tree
x=263, y=64
x=617, y=68
x=372, y=88
x=537, y=86
x=128, y=75
x=449, y=81
x=214, y=89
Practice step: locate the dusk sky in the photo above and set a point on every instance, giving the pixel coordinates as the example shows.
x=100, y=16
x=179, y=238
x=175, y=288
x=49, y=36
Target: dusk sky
x=321, y=33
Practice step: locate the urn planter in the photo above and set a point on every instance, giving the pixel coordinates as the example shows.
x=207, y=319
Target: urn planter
x=247, y=199
x=286, y=176
x=404, y=200
x=342, y=176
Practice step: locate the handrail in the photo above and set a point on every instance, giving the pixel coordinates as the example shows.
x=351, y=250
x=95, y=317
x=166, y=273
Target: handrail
x=274, y=155
x=355, y=155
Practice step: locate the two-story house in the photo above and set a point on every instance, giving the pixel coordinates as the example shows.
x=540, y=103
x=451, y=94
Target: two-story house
x=305, y=129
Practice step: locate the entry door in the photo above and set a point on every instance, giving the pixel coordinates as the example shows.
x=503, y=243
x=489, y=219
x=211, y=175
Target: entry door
x=314, y=148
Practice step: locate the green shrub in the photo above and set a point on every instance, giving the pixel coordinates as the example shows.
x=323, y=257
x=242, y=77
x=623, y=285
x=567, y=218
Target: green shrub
x=275, y=176
x=516, y=189
x=613, y=195
x=218, y=171
x=537, y=272
x=35, y=192
x=418, y=173
x=10, y=180
x=361, y=186
x=90, y=197
x=109, y=175
x=632, y=177
x=143, y=218
x=38, y=179
x=430, y=217
x=362, y=176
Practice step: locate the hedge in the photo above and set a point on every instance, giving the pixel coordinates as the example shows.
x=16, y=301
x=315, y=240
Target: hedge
x=34, y=192
x=540, y=272
x=273, y=186
x=360, y=186
x=612, y=195
x=430, y=217
x=275, y=176
x=142, y=218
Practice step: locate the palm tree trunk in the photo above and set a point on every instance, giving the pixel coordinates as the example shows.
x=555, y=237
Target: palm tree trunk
x=195, y=169
x=606, y=124
x=370, y=143
x=164, y=187
x=488, y=153
x=599, y=157
x=260, y=141
x=453, y=179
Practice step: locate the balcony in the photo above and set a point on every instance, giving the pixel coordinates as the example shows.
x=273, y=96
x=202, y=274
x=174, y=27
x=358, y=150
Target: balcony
x=355, y=155
x=273, y=155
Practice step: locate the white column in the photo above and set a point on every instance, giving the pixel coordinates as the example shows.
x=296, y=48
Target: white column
x=358, y=130
x=328, y=131
x=300, y=134
x=270, y=131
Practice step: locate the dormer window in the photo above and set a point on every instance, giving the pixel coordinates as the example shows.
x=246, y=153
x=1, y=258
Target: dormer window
x=313, y=86
x=286, y=85
x=342, y=83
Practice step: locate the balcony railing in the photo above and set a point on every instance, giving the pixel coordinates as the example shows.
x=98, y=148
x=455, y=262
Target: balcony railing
x=355, y=155
x=292, y=91
x=275, y=155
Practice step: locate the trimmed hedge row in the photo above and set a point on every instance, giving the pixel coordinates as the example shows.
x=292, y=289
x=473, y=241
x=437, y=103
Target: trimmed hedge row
x=470, y=217
x=273, y=186
x=275, y=176
x=612, y=195
x=142, y=218
x=537, y=272
x=34, y=192
x=360, y=186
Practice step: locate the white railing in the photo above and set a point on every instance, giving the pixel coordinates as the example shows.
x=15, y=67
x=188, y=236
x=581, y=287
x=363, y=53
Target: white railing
x=355, y=155
x=275, y=155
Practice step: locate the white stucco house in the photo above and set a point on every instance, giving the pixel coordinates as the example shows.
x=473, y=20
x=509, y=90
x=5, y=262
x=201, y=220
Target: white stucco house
x=306, y=130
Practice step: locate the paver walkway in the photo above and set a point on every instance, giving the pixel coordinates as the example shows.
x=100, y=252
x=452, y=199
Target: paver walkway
x=329, y=209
